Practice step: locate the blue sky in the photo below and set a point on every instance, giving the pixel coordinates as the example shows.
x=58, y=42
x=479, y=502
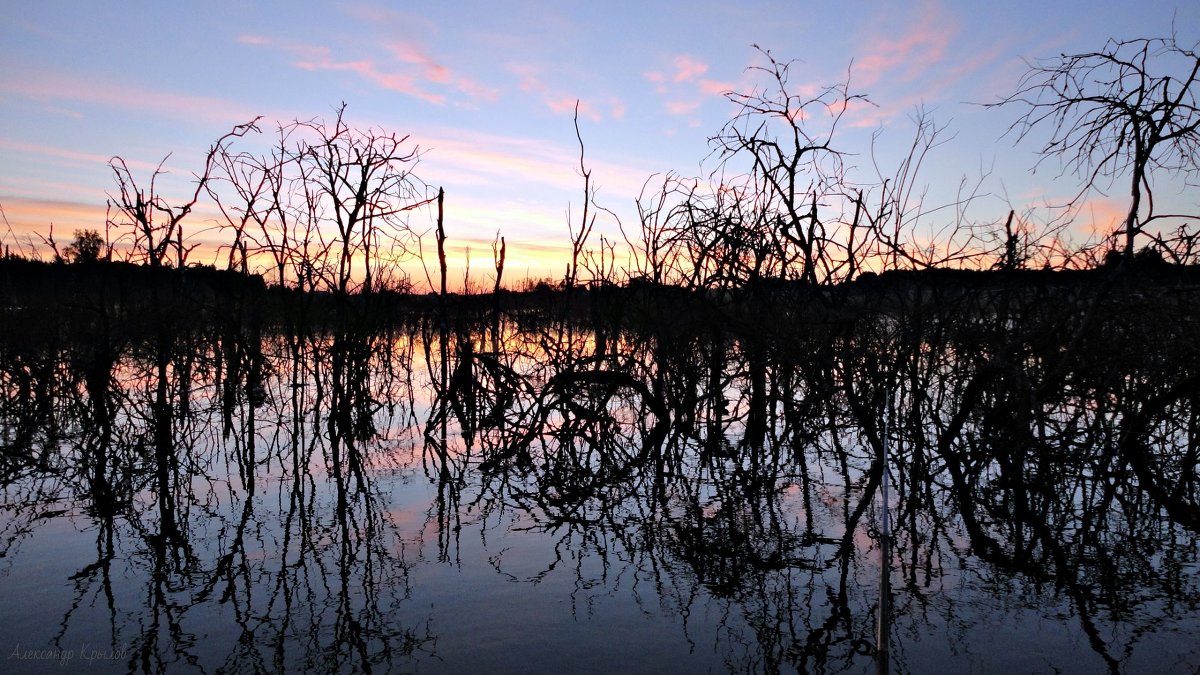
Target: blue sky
x=487, y=89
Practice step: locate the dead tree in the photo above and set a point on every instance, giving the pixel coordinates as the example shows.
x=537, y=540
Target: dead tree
x=359, y=185
x=580, y=236
x=154, y=224
x=1120, y=114
x=781, y=142
x=656, y=250
x=498, y=253
x=896, y=225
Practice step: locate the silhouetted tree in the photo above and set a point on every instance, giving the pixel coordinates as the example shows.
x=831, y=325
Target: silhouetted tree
x=360, y=187
x=663, y=219
x=1121, y=113
x=785, y=134
x=901, y=228
x=86, y=248
x=587, y=221
x=153, y=223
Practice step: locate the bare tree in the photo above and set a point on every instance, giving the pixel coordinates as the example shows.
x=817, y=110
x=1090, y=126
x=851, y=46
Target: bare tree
x=499, y=250
x=1122, y=113
x=601, y=263
x=155, y=225
x=662, y=221
x=441, y=241
x=360, y=184
x=787, y=139
x=260, y=198
x=580, y=236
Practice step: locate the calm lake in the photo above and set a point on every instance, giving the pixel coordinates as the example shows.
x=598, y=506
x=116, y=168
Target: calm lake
x=536, y=496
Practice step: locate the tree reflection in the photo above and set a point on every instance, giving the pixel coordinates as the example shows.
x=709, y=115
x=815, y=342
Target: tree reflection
x=221, y=492
x=235, y=482
x=748, y=468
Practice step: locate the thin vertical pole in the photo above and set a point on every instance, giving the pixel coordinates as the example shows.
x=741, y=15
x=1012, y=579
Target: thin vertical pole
x=885, y=538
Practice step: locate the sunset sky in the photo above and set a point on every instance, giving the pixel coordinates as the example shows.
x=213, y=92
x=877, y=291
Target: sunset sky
x=487, y=90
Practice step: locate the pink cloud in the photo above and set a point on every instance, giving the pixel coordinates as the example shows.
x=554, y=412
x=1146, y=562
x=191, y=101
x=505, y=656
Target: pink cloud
x=688, y=68
x=483, y=158
x=65, y=112
x=566, y=104
x=409, y=53
x=917, y=48
x=681, y=107
x=402, y=83
x=29, y=218
x=528, y=77
x=1099, y=216
x=715, y=88
x=685, y=89
x=886, y=109
x=476, y=90
x=59, y=87
x=616, y=108
x=396, y=20
x=493, y=159
x=529, y=80
x=913, y=65
x=256, y=40
x=973, y=66
x=407, y=69
x=72, y=157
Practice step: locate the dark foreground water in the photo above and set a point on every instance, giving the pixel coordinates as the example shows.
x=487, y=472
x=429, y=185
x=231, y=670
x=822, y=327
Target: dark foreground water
x=551, y=499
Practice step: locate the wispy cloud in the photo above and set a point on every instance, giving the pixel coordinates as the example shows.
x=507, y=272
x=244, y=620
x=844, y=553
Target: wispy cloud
x=491, y=159
x=53, y=88
x=914, y=63
x=688, y=68
x=683, y=87
x=390, y=17
x=409, y=53
x=1098, y=217
x=530, y=80
x=402, y=83
x=715, y=87
x=65, y=112
x=616, y=108
x=918, y=47
x=567, y=104
x=681, y=107
x=435, y=72
x=68, y=157
x=528, y=77
x=256, y=40
x=31, y=219
x=403, y=67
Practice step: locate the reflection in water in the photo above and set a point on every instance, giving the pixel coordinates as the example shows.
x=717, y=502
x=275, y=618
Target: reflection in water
x=636, y=493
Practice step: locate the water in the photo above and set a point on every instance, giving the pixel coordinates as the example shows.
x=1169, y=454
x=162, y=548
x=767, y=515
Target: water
x=545, y=498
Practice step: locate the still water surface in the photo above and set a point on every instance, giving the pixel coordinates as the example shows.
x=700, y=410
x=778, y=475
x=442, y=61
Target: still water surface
x=552, y=500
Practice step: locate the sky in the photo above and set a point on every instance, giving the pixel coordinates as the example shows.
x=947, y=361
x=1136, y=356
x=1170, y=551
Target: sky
x=488, y=91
